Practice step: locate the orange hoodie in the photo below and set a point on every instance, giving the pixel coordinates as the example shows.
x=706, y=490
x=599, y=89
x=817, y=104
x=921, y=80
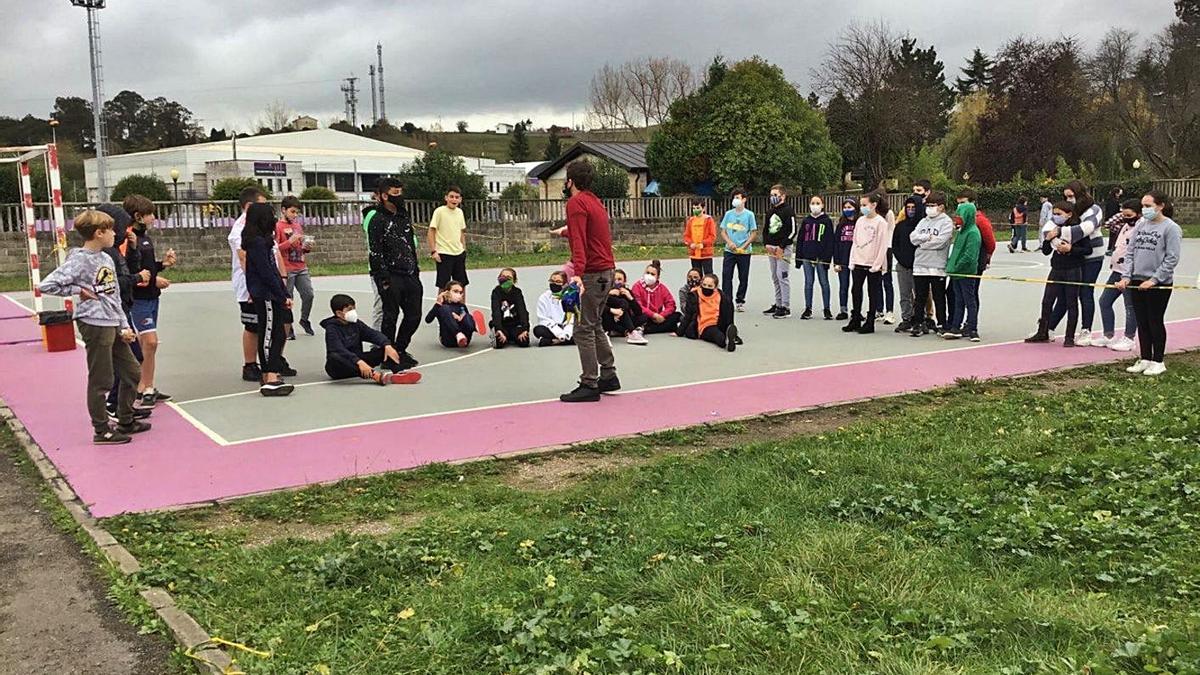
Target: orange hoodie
x=700, y=230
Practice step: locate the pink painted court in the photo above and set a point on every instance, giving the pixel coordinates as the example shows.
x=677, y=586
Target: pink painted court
x=218, y=439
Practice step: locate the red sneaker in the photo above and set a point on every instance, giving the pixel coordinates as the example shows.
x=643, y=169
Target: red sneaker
x=407, y=377
x=480, y=324
x=462, y=341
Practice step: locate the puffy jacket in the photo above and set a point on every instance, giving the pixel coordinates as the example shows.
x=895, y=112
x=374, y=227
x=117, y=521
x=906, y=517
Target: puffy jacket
x=391, y=243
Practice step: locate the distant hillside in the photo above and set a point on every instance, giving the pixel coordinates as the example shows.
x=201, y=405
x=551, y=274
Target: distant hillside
x=494, y=146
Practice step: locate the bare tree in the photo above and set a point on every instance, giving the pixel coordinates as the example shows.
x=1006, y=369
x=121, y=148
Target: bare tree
x=276, y=116
x=638, y=94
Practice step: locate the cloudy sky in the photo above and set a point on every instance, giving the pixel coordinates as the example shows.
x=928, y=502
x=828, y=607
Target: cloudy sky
x=481, y=61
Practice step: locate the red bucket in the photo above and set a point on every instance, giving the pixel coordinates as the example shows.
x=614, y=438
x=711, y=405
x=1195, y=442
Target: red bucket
x=58, y=333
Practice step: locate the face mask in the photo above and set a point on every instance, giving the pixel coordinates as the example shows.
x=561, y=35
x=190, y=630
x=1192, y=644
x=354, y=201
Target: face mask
x=396, y=200
x=708, y=291
x=555, y=288
x=1149, y=212
x=692, y=283
x=351, y=316
x=618, y=284
x=737, y=203
x=650, y=279
x=932, y=211
x=1058, y=220
x=506, y=283
x=566, y=192
x=816, y=209
x=848, y=213
x=866, y=210
x=910, y=212
x=696, y=212
x=775, y=200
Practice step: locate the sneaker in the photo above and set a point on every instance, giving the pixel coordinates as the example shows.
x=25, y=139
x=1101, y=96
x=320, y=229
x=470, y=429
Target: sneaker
x=276, y=388
x=828, y=315
x=408, y=377
x=903, y=327
x=731, y=339
x=110, y=437
x=137, y=415
x=462, y=340
x=1121, y=344
x=381, y=379
x=783, y=313
x=974, y=336
x=1139, y=366
x=1068, y=342
x=919, y=331
x=407, y=362
x=291, y=336
x=251, y=373
x=608, y=385
x=161, y=396
x=842, y=316
x=806, y=314
x=581, y=394
x=480, y=322
x=636, y=337
x=288, y=371
x=307, y=326
x=1155, y=368
x=889, y=319
x=1011, y=248
x=1083, y=338
x=740, y=307
x=770, y=310
x=952, y=335
x=1101, y=341
x=134, y=427
x=146, y=400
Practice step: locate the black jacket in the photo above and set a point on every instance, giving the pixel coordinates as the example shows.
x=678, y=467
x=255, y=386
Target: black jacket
x=903, y=250
x=143, y=259
x=509, y=306
x=125, y=280
x=843, y=241
x=691, y=313
x=1072, y=260
x=786, y=234
x=262, y=274
x=343, y=341
x=391, y=243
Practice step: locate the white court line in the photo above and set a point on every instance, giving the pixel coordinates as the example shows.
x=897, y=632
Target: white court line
x=204, y=429
x=78, y=342
x=320, y=382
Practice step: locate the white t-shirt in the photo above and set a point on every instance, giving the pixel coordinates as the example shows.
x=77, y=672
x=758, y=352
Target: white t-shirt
x=238, y=274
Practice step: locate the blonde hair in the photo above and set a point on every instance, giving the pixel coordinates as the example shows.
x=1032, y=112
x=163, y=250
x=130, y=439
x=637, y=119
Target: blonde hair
x=91, y=221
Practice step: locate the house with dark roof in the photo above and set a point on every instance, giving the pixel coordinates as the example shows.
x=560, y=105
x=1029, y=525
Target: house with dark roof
x=552, y=175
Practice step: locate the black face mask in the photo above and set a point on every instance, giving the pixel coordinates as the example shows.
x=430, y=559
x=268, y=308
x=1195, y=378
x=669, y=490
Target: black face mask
x=556, y=288
x=396, y=200
x=566, y=192
x=708, y=291
x=692, y=283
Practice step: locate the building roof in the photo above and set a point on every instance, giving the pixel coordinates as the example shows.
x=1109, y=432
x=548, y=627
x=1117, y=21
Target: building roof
x=311, y=142
x=630, y=156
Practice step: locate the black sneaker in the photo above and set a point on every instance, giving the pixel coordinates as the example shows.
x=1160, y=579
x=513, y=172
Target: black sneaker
x=307, y=326
x=161, y=396
x=807, y=314
x=919, y=331
x=842, y=316
x=951, y=335
x=581, y=394
x=251, y=373
x=291, y=336
x=609, y=384
x=137, y=415
x=903, y=326
x=276, y=388
x=147, y=399
x=771, y=310
x=782, y=313
x=288, y=371
x=110, y=437
x=828, y=315
x=973, y=336
x=407, y=361
x=731, y=339
x=134, y=427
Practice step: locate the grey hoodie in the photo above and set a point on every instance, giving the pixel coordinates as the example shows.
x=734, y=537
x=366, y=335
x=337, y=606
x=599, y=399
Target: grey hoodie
x=932, y=238
x=95, y=271
x=1154, y=251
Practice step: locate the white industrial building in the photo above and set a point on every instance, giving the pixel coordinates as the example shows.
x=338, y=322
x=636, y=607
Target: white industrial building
x=286, y=163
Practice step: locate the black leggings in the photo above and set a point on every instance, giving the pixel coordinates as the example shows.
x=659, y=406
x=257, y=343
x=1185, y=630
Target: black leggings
x=341, y=370
x=271, y=335
x=669, y=324
x=711, y=334
x=874, y=281
x=1062, y=298
x=1150, y=307
x=546, y=337
x=511, y=330
x=403, y=294
x=923, y=287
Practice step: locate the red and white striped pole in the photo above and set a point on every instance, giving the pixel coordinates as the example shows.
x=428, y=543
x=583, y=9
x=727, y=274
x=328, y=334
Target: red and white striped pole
x=60, y=218
x=35, y=274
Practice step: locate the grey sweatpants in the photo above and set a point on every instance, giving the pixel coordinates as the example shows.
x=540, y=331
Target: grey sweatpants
x=595, y=351
x=904, y=280
x=779, y=277
x=376, y=307
x=300, y=280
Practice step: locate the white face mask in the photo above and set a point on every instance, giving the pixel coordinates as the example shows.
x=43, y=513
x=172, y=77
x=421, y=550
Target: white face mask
x=816, y=209
x=649, y=279
x=737, y=202
x=932, y=211
x=351, y=316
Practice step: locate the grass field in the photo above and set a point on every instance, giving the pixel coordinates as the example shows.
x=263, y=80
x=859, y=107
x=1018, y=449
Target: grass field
x=1040, y=525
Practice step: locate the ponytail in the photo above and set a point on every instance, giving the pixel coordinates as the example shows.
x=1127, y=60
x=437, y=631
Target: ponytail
x=1161, y=198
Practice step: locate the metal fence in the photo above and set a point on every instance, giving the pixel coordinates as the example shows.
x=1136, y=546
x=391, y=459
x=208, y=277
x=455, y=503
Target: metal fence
x=221, y=214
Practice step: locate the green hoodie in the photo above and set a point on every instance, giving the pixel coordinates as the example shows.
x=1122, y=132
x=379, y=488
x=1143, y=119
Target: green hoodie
x=964, y=256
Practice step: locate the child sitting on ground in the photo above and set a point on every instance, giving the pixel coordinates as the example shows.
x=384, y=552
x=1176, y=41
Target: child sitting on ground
x=510, y=318
x=105, y=330
x=622, y=314
x=344, y=355
x=456, y=325
x=554, y=326
x=656, y=302
x=693, y=280
x=708, y=316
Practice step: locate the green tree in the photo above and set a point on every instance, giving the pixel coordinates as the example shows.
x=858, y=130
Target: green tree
x=74, y=116
x=611, y=182
x=152, y=187
x=844, y=131
x=1062, y=170
x=228, y=189
x=317, y=193
x=430, y=174
x=918, y=94
x=553, y=145
x=962, y=136
x=977, y=75
x=518, y=144
x=751, y=129
x=461, y=125
x=519, y=192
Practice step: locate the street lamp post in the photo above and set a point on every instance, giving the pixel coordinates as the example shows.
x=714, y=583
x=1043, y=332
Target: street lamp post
x=92, y=7
x=54, y=131
x=175, y=181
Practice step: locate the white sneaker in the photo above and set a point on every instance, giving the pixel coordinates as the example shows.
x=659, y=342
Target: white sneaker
x=889, y=319
x=740, y=307
x=1155, y=368
x=1121, y=344
x=1139, y=367
x=1101, y=341
x=637, y=338
x=1083, y=338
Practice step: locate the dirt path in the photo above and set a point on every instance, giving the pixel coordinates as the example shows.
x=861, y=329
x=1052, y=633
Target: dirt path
x=54, y=616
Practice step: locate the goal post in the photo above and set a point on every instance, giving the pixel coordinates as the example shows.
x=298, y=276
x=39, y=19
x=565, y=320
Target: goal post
x=22, y=156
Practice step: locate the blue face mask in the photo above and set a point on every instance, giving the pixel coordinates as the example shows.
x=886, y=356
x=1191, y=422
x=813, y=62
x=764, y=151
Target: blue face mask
x=849, y=213
x=1058, y=220
x=1149, y=212
x=866, y=210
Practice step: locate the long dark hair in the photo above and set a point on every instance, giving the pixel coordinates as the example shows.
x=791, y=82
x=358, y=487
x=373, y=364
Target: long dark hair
x=880, y=200
x=1164, y=201
x=1083, y=200
x=260, y=222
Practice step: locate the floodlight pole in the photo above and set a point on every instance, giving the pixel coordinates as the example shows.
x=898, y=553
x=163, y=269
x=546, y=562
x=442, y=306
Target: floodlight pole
x=93, y=6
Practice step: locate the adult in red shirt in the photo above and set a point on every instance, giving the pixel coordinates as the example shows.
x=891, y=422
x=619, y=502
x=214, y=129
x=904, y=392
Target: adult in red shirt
x=593, y=262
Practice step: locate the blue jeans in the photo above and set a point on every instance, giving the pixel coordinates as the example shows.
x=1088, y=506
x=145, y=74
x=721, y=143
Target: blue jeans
x=740, y=262
x=844, y=288
x=1019, y=234
x=821, y=272
x=966, y=305
x=1108, y=317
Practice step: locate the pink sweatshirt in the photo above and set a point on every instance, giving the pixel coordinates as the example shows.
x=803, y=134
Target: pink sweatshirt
x=872, y=236
x=659, y=300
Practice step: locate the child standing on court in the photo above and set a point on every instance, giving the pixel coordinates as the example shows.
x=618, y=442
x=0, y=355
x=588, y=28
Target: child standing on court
x=456, y=324
x=146, y=292
x=779, y=239
x=92, y=274
x=814, y=254
x=268, y=296
x=843, y=242
x=510, y=317
x=1120, y=227
x=289, y=236
x=344, y=355
x=738, y=229
x=699, y=235
x=448, y=240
